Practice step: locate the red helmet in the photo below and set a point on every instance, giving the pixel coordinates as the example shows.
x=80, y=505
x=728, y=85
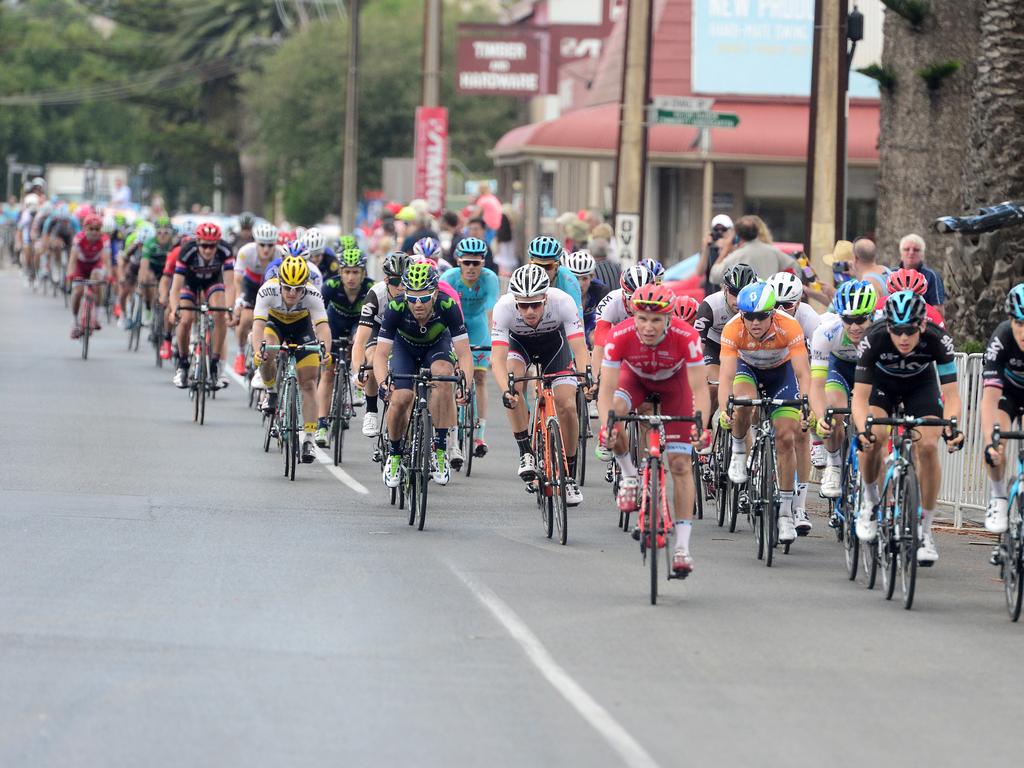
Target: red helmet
x=907, y=280
x=686, y=308
x=208, y=232
x=654, y=298
x=284, y=237
x=92, y=220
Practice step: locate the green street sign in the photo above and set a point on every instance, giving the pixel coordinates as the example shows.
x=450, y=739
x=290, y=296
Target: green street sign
x=696, y=119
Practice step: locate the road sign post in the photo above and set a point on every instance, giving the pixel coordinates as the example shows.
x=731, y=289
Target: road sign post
x=627, y=234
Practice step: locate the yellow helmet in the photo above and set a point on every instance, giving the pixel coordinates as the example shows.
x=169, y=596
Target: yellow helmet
x=294, y=271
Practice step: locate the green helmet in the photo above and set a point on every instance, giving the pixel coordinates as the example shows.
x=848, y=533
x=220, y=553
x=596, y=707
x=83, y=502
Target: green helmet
x=420, y=277
x=347, y=241
x=120, y=219
x=163, y=222
x=353, y=258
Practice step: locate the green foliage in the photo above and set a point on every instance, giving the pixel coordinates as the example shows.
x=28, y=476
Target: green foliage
x=972, y=347
x=886, y=78
x=934, y=74
x=914, y=11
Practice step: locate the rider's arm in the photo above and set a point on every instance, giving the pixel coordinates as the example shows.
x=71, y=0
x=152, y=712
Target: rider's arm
x=359, y=346
x=859, y=405
x=698, y=379
x=258, y=327
x=606, y=391
x=802, y=371
x=499, y=344
x=229, y=283
x=176, y=286
x=380, y=359
x=726, y=373
x=992, y=379
x=464, y=356
x=385, y=339
x=819, y=367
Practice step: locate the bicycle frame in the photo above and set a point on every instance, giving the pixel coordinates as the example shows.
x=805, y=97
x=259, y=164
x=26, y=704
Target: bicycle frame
x=290, y=399
x=1009, y=554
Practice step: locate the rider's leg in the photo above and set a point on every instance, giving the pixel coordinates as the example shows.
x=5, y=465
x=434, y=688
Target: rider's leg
x=926, y=457
x=307, y=370
x=480, y=382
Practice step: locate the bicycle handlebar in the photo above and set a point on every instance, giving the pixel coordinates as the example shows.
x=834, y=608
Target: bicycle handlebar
x=830, y=412
x=653, y=418
x=910, y=422
x=777, y=402
x=547, y=379
x=204, y=308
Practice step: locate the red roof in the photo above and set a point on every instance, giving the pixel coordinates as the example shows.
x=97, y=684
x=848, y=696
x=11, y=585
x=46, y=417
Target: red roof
x=772, y=130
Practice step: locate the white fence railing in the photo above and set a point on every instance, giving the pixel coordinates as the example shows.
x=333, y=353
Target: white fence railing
x=963, y=474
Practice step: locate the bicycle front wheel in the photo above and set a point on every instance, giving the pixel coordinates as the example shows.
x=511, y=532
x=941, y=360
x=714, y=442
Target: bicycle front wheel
x=770, y=506
x=652, y=503
x=294, y=430
x=848, y=504
x=558, y=476
x=698, y=486
x=423, y=476
x=910, y=525
x=887, y=543
x=1012, y=565
x=583, y=420
x=470, y=434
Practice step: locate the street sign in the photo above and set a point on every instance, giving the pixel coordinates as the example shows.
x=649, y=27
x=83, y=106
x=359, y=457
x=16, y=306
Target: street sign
x=627, y=233
x=695, y=118
x=683, y=103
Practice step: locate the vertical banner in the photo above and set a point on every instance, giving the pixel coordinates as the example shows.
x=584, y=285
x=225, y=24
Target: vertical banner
x=431, y=156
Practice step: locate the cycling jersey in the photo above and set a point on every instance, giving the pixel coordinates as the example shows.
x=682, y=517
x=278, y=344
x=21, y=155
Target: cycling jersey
x=342, y=313
x=375, y=303
x=270, y=305
x=878, y=355
x=712, y=315
x=596, y=292
x=477, y=301
x=155, y=254
x=560, y=318
x=1004, y=360
x=248, y=263
x=314, y=273
x=90, y=250
x=203, y=275
x=783, y=341
x=808, y=319
x=399, y=325
x=610, y=312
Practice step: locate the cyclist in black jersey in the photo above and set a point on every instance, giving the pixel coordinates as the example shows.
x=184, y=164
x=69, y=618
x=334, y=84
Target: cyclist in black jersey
x=904, y=359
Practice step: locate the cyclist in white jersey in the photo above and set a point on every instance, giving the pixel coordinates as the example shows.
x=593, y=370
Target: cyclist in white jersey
x=615, y=307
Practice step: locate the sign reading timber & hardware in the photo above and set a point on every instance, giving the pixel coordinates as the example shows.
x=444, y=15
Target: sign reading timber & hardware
x=508, y=64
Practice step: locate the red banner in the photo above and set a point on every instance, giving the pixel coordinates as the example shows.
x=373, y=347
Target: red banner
x=432, y=156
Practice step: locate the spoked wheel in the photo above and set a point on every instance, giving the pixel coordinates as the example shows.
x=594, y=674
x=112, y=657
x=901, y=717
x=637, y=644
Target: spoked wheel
x=652, y=499
x=583, y=419
x=542, y=486
x=698, y=486
x=770, y=507
x=201, y=390
x=559, y=477
x=425, y=452
x=1013, y=564
x=268, y=430
x=848, y=503
x=87, y=314
x=342, y=406
x=469, y=433
x=410, y=466
x=724, y=494
x=910, y=529
x=886, y=542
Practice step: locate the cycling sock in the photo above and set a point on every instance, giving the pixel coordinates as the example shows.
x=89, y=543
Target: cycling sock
x=571, y=462
x=215, y=357
x=625, y=462
x=835, y=458
x=871, y=491
x=786, y=506
x=801, y=496
x=396, y=447
x=683, y=530
x=309, y=427
x=929, y=517
x=441, y=438
x=997, y=488
x=739, y=445
x=371, y=404
x=481, y=427
x=322, y=422
x=523, y=441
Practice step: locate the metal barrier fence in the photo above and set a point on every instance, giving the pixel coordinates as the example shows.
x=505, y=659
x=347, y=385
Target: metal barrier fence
x=963, y=474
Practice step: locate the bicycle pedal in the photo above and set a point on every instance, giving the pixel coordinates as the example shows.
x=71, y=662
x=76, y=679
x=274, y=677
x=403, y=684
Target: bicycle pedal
x=530, y=488
x=996, y=558
x=635, y=533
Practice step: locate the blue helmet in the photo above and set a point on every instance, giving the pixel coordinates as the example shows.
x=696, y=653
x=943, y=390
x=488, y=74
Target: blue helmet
x=905, y=308
x=855, y=298
x=427, y=247
x=656, y=269
x=1015, y=302
x=544, y=248
x=470, y=246
x=756, y=297
x=298, y=248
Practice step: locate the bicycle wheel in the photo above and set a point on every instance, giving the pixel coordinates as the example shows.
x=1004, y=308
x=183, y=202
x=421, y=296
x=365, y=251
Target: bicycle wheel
x=887, y=544
x=427, y=431
x=652, y=501
x=268, y=425
x=558, y=475
x=540, y=484
x=86, y=322
x=583, y=419
x=201, y=375
x=755, y=504
x=910, y=522
x=848, y=505
x=410, y=463
x=1012, y=562
x=339, y=413
x=698, y=487
x=470, y=435
x=294, y=429
x=719, y=459
x=770, y=509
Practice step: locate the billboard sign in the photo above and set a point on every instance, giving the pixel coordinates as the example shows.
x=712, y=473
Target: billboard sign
x=502, y=61
x=431, y=156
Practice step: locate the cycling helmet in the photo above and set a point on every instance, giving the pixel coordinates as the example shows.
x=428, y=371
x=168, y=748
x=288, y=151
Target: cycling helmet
x=208, y=232
x=686, y=308
x=353, y=258
x=426, y=246
x=109, y=224
x=1015, y=302
x=395, y=263
x=855, y=298
x=656, y=269
x=907, y=280
x=120, y=219
x=544, y=248
x=787, y=287
x=406, y=214
x=470, y=246
x=756, y=297
x=163, y=222
x=654, y=298
x=265, y=233
x=246, y=220
x=905, y=308
x=300, y=232
x=529, y=281
x=738, y=276
x=420, y=277
x=347, y=241
x=92, y=220
x=294, y=271
x=32, y=201
x=298, y=248
x=39, y=181
x=315, y=241
x=580, y=263
x=144, y=233
x=633, y=278
x=284, y=237
x=188, y=227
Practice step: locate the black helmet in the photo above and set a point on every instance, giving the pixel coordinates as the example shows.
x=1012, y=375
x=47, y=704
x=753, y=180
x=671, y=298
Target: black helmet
x=905, y=308
x=738, y=276
x=246, y=220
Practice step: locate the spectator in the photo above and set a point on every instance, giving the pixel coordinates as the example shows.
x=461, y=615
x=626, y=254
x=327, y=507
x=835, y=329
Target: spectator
x=865, y=266
x=505, y=254
x=122, y=196
x=477, y=228
x=606, y=232
x=423, y=228
x=605, y=270
x=489, y=207
x=912, y=257
x=717, y=244
x=577, y=234
x=450, y=231
x=764, y=258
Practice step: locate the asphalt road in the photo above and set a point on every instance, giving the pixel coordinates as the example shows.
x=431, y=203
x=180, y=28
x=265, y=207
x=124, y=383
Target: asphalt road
x=167, y=598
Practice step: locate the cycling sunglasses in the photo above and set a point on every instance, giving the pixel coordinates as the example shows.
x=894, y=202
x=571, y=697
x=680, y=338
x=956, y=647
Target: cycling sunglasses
x=903, y=330
x=207, y=245
x=523, y=305
x=419, y=299
x=394, y=282
x=470, y=262
x=788, y=306
x=544, y=264
x=856, y=320
x=650, y=306
x=756, y=315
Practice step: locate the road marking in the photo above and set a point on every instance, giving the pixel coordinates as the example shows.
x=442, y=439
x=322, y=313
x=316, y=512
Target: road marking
x=598, y=717
x=321, y=455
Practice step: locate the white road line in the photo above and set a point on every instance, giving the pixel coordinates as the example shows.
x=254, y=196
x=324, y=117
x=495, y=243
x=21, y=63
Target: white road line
x=597, y=716
x=322, y=456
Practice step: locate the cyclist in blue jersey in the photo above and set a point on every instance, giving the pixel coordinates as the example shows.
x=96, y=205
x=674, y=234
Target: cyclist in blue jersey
x=478, y=287
x=583, y=265
x=546, y=252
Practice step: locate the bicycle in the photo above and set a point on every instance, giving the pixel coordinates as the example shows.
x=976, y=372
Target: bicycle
x=342, y=409
x=760, y=493
x=1009, y=554
x=899, y=513
x=199, y=382
x=585, y=434
x=654, y=535
x=133, y=316
x=87, y=312
x=156, y=330
x=419, y=433
x=468, y=422
x=552, y=471
x=289, y=426
x=716, y=476
x=843, y=511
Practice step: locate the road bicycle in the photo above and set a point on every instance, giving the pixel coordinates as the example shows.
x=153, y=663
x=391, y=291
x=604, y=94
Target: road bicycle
x=1009, y=554
x=87, y=312
x=133, y=315
x=286, y=421
x=342, y=411
x=586, y=433
x=843, y=510
x=899, y=513
x=156, y=330
x=552, y=469
x=200, y=380
x=715, y=477
x=468, y=422
x=654, y=520
x=759, y=495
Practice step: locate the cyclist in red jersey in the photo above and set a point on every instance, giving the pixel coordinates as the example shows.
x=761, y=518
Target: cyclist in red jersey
x=646, y=354
x=910, y=280
x=90, y=260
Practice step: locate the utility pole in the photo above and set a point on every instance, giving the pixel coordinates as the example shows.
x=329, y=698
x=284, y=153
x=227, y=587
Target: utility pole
x=631, y=161
x=350, y=162
x=431, y=53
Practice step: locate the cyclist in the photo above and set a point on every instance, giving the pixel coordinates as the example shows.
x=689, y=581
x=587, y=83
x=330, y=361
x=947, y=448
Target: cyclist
x=656, y=269
x=833, y=362
x=429, y=248
x=647, y=354
x=616, y=307
x=686, y=310
x=28, y=253
x=904, y=279
x=290, y=310
x=422, y=330
x=152, y=258
x=251, y=265
x=593, y=291
x=714, y=312
x=1002, y=400
x=364, y=344
x=200, y=272
x=131, y=260
x=296, y=247
x=764, y=349
x=344, y=295
x=537, y=322
x=90, y=260
x=320, y=255
x=546, y=253
x=478, y=287
x=898, y=362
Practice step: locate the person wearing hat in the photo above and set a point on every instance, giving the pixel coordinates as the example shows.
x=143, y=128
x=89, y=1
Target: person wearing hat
x=717, y=244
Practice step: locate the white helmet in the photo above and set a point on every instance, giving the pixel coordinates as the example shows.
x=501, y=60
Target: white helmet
x=32, y=201
x=529, y=281
x=265, y=233
x=787, y=287
x=109, y=223
x=315, y=241
x=300, y=232
x=580, y=263
x=39, y=181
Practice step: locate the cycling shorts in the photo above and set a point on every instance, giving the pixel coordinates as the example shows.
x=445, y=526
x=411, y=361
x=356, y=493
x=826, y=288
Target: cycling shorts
x=83, y=269
x=920, y=395
x=550, y=351
x=407, y=359
x=1011, y=402
x=249, y=290
x=299, y=332
x=194, y=286
x=341, y=325
x=712, y=352
x=132, y=273
x=676, y=400
x=840, y=376
x=775, y=383
x=480, y=336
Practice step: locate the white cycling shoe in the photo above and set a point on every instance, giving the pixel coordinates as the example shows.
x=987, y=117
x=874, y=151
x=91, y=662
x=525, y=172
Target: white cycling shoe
x=831, y=480
x=996, y=516
x=867, y=522
x=818, y=455
x=573, y=494
x=371, y=424
x=738, y=468
x=803, y=522
x=787, y=530
x=927, y=554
